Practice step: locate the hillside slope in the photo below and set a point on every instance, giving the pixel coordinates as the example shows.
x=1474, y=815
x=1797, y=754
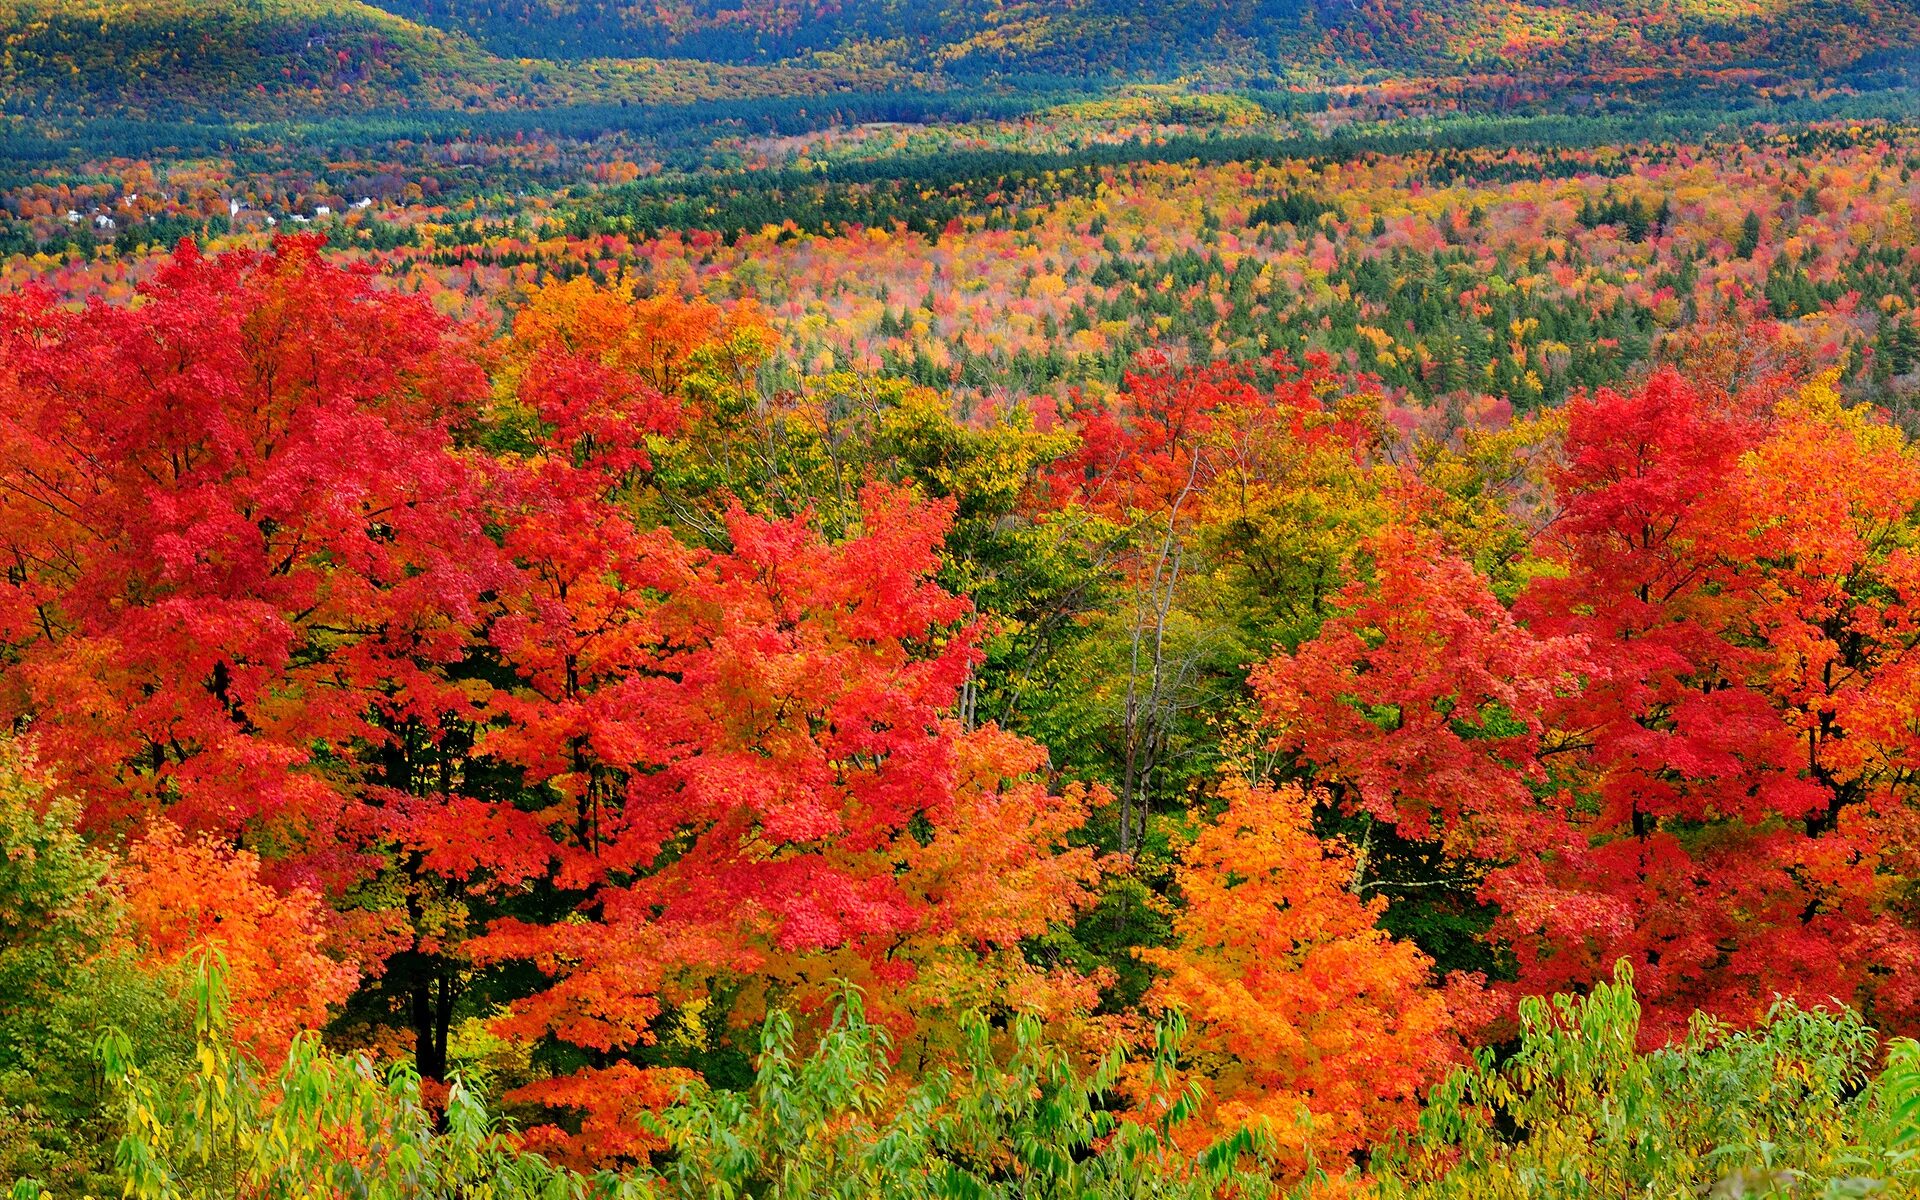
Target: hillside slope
x=1129, y=36
x=145, y=57
x=265, y=59
x=255, y=59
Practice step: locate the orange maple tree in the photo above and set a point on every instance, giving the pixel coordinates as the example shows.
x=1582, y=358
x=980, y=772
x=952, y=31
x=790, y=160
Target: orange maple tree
x=1307, y=1018
x=186, y=894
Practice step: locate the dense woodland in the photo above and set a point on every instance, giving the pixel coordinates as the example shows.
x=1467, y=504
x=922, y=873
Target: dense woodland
x=844, y=610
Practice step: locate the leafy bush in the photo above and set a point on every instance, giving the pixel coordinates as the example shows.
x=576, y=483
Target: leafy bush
x=1789, y=1108
x=65, y=981
x=1786, y=1108
x=1018, y=1124
x=1023, y=1129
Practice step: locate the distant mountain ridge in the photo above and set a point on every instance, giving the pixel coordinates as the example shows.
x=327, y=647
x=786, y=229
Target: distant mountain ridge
x=261, y=59
x=1129, y=36
x=169, y=59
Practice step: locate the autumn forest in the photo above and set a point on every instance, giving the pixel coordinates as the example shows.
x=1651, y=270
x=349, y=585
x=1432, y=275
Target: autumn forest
x=1083, y=599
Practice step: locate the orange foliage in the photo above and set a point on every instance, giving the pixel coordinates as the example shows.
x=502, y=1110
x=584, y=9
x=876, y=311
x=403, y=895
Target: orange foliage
x=611, y=1101
x=658, y=339
x=1306, y=1016
x=184, y=894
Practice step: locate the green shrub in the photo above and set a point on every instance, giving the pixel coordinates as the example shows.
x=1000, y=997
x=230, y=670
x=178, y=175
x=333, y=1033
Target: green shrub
x=64, y=984
x=1018, y=1125
x=1786, y=1108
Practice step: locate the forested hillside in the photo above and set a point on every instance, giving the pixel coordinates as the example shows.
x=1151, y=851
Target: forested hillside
x=63, y=54
x=1126, y=37
x=116, y=61
x=200, y=59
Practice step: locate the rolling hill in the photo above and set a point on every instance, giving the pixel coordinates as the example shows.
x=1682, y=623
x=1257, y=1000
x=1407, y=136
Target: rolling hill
x=141, y=57
x=148, y=60
x=1135, y=36
x=253, y=59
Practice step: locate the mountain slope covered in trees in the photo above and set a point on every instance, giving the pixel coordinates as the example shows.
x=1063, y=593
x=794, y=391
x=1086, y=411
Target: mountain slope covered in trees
x=1008, y=599
x=91, y=54
x=170, y=60
x=270, y=58
x=1131, y=36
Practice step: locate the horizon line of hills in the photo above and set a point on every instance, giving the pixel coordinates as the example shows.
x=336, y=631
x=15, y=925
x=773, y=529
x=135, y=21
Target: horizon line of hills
x=139, y=57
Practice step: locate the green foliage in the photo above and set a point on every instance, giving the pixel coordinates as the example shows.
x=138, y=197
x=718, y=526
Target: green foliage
x=323, y=1125
x=64, y=983
x=106, y=56
x=1014, y=1120
x=1577, y=1110
x=1030, y=1126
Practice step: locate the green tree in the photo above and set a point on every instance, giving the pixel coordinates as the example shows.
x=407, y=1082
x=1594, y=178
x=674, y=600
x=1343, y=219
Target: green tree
x=324, y=1124
x=64, y=982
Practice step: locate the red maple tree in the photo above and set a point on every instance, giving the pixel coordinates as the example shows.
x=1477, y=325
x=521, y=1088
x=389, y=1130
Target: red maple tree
x=1675, y=748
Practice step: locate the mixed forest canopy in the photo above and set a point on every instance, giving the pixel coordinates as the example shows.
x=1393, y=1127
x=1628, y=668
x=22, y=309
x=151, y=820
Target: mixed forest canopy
x=880, y=600
x=1127, y=36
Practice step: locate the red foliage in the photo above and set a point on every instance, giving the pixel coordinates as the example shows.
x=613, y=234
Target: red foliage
x=729, y=754
x=612, y=1101
x=1709, y=801
x=1424, y=701
x=258, y=585
x=1169, y=433
x=240, y=540
x=736, y=748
